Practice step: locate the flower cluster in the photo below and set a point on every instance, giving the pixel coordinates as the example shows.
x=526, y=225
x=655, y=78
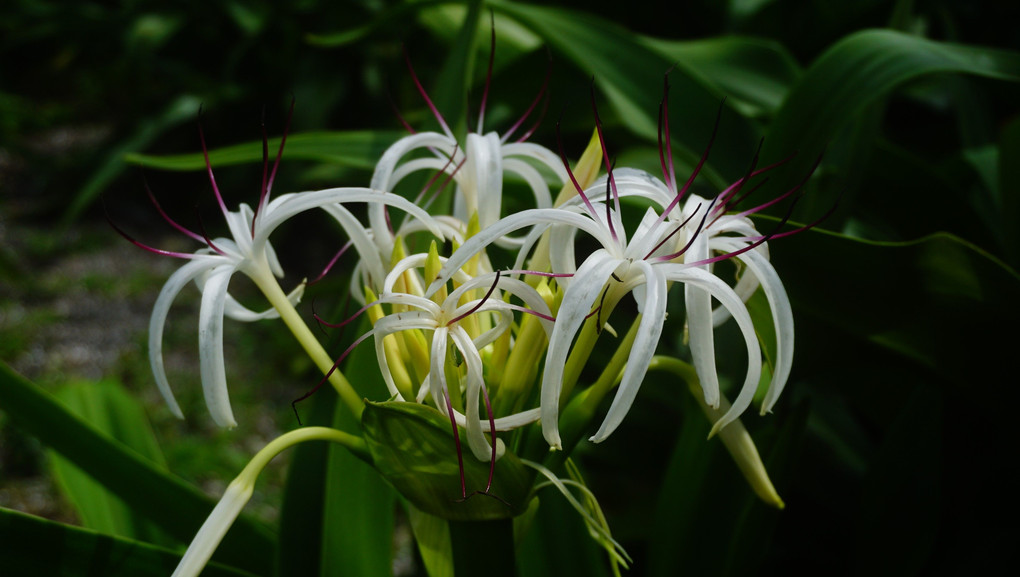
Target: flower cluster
x=489, y=314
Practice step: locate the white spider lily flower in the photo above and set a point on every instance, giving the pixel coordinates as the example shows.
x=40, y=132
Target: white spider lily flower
x=444, y=322
x=478, y=168
x=249, y=252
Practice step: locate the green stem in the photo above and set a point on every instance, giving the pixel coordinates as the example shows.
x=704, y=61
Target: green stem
x=271, y=289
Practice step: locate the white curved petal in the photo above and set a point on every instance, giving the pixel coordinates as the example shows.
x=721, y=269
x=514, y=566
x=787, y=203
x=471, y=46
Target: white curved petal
x=382, y=178
x=504, y=226
x=303, y=201
x=725, y=295
x=577, y=302
x=782, y=315
x=700, y=329
x=481, y=448
x=649, y=330
x=395, y=323
x=177, y=281
x=210, y=346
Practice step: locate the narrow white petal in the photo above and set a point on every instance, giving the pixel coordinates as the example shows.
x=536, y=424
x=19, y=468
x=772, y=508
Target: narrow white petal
x=577, y=302
x=649, y=330
x=729, y=299
x=481, y=447
x=504, y=226
x=700, y=329
x=210, y=346
x=160, y=310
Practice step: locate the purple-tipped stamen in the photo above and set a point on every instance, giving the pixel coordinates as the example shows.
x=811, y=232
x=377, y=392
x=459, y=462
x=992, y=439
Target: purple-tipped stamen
x=129, y=238
x=329, y=373
x=456, y=442
x=209, y=170
x=166, y=217
x=610, y=181
x=488, y=74
x=570, y=173
x=538, y=97
x=425, y=96
x=673, y=233
x=267, y=183
x=479, y=304
x=205, y=236
x=332, y=262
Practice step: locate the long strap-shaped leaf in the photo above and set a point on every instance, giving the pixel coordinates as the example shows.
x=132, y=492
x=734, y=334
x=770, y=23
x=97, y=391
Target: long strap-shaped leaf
x=35, y=546
x=854, y=73
x=172, y=504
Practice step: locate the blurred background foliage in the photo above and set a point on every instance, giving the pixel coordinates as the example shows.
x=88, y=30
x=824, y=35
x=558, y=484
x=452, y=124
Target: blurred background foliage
x=893, y=447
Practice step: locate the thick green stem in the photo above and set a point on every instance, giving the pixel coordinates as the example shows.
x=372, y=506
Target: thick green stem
x=271, y=289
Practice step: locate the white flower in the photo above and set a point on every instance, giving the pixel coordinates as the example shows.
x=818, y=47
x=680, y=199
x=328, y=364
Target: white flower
x=247, y=251
x=444, y=321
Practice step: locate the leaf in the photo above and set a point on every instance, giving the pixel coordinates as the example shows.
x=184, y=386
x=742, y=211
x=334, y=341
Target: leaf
x=35, y=546
x=178, y=508
x=357, y=149
x=109, y=409
x=630, y=75
x=432, y=535
x=856, y=72
x=357, y=534
x=557, y=542
x=413, y=447
x=755, y=73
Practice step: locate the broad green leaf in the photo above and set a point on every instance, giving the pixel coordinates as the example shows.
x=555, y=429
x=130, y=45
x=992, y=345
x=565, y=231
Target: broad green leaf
x=112, y=411
x=629, y=75
x=357, y=533
x=303, y=509
x=432, y=536
x=557, y=542
x=413, y=447
x=755, y=73
x=856, y=72
x=35, y=546
x=357, y=149
x=178, y=508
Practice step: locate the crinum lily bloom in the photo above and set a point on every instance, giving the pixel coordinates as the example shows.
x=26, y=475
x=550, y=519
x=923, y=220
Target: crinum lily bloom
x=446, y=321
x=478, y=168
x=249, y=252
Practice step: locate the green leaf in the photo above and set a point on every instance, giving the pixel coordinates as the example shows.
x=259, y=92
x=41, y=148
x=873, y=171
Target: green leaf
x=357, y=534
x=630, y=75
x=356, y=149
x=853, y=74
x=557, y=542
x=109, y=409
x=303, y=507
x=35, y=546
x=755, y=73
x=432, y=535
x=178, y=508
x=413, y=447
